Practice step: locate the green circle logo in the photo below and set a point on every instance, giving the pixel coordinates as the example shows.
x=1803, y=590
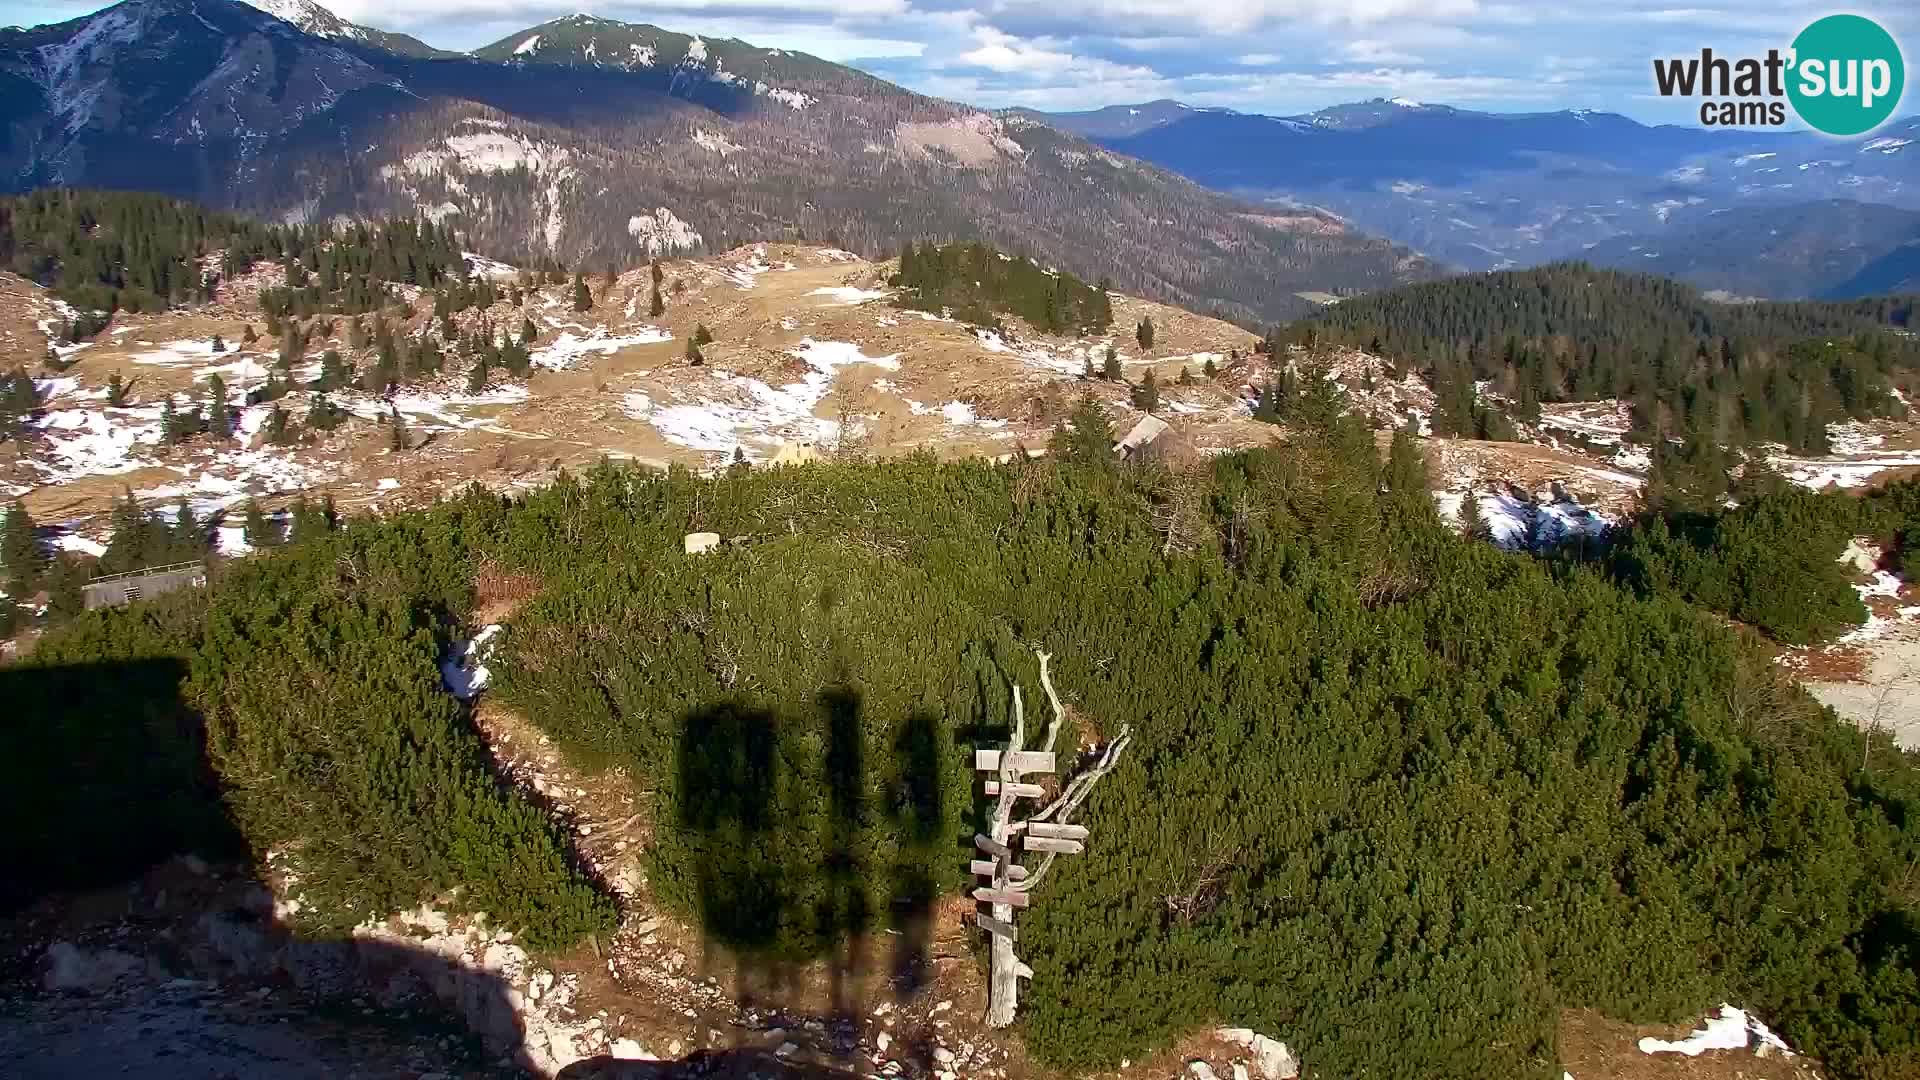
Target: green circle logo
x=1847, y=75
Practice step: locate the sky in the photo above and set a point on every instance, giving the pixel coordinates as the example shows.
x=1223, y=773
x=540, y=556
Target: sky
x=1271, y=56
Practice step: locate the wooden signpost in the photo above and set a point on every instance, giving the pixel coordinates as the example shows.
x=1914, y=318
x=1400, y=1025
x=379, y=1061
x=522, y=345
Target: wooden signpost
x=1046, y=831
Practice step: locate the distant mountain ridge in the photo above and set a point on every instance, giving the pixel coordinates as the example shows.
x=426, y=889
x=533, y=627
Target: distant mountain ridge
x=1834, y=249
x=597, y=142
x=1490, y=190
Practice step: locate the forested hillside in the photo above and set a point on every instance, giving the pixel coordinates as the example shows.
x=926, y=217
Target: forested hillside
x=104, y=251
x=1730, y=373
x=975, y=282
x=593, y=141
x=1359, y=808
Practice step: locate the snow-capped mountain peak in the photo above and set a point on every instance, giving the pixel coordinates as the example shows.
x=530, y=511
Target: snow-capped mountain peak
x=310, y=17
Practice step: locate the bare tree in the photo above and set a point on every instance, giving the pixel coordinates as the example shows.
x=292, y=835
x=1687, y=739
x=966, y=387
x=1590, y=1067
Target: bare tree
x=1049, y=830
x=1887, y=697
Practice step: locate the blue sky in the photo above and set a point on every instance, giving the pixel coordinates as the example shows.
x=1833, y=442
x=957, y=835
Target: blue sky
x=1277, y=56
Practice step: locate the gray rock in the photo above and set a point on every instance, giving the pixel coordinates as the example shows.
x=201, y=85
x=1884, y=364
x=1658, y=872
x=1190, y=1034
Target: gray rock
x=76, y=970
x=1273, y=1059
x=237, y=943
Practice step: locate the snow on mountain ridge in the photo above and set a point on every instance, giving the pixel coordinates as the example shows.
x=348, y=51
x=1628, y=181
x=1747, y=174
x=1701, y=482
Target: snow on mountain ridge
x=310, y=17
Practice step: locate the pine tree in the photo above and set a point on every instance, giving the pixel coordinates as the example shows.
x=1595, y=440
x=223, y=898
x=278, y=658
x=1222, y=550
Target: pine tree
x=219, y=420
x=279, y=431
x=21, y=553
x=219, y=344
x=528, y=332
x=909, y=266
x=694, y=356
x=1146, y=396
x=117, y=390
x=1406, y=471
x=65, y=597
x=335, y=372
x=189, y=538
x=656, y=307
x=260, y=530
x=702, y=335
x=1086, y=368
x=248, y=335
x=582, y=296
x=1087, y=437
x=1110, y=368
x=397, y=436
x=1144, y=334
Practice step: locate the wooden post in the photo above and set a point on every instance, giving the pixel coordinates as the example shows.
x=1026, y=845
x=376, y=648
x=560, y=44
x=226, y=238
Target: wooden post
x=1046, y=831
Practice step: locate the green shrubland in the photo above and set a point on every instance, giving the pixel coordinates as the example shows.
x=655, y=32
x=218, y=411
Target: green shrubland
x=1393, y=796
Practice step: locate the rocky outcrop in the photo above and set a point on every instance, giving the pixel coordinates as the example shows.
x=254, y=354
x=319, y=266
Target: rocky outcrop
x=1271, y=1058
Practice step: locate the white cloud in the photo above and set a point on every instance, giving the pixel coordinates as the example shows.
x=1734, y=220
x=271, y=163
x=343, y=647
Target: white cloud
x=1240, y=16
x=1272, y=56
x=1372, y=51
x=999, y=51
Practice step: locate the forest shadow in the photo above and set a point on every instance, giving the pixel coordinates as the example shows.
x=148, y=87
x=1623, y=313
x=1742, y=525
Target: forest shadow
x=109, y=776
x=132, y=898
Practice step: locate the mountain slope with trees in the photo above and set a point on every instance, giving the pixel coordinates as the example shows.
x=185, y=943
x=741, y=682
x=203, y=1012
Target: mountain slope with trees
x=1835, y=249
x=1495, y=190
x=559, y=143
x=1722, y=374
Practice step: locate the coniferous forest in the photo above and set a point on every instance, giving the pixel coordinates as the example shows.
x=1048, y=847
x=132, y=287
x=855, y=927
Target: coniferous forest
x=106, y=251
x=1396, y=795
x=976, y=282
x=1727, y=373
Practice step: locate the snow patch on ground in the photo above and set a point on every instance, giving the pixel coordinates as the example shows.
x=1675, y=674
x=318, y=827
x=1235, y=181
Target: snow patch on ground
x=480, y=266
x=1853, y=437
x=848, y=294
x=464, y=669
x=488, y=152
x=662, y=232
x=1854, y=471
x=1731, y=1029
x=97, y=442
x=758, y=413
x=1602, y=422
x=1514, y=520
x=568, y=348
x=714, y=141
x=744, y=274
